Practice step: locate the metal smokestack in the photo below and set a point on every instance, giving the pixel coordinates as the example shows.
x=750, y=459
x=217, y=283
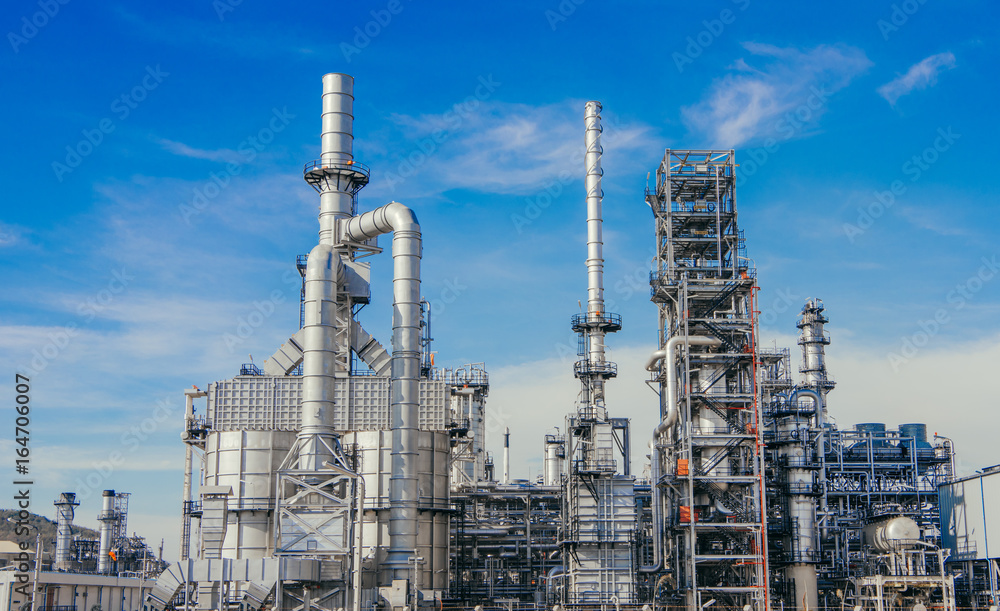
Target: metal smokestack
x=107, y=518
x=506, y=455
x=341, y=179
x=64, y=530
x=595, y=222
x=337, y=178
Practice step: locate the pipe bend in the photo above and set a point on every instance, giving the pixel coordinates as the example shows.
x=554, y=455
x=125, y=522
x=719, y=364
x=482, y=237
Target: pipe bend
x=670, y=418
x=655, y=358
x=324, y=264
x=392, y=217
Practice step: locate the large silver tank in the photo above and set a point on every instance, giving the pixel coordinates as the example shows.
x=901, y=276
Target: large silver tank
x=892, y=534
x=373, y=450
x=247, y=462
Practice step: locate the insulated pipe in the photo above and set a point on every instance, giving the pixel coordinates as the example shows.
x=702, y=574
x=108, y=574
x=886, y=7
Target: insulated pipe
x=106, y=518
x=403, y=484
x=595, y=240
x=324, y=270
x=670, y=418
x=657, y=501
x=808, y=392
x=336, y=200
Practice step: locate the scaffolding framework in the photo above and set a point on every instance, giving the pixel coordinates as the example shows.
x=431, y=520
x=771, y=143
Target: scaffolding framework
x=711, y=461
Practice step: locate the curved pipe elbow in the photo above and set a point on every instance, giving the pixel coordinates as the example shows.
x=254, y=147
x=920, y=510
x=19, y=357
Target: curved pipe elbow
x=668, y=354
x=808, y=392
x=392, y=217
x=324, y=264
x=655, y=358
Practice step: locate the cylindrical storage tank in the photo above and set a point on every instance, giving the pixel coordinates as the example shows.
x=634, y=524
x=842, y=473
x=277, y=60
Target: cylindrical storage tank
x=553, y=463
x=892, y=534
x=247, y=462
x=373, y=450
x=916, y=430
x=877, y=431
x=432, y=470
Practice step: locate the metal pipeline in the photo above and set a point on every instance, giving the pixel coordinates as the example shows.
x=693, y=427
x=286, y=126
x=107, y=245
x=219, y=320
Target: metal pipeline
x=359, y=543
x=809, y=392
x=324, y=271
x=670, y=417
x=657, y=501
x=403, y=484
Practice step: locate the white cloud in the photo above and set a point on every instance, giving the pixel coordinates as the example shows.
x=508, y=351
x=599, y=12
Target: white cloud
x=10, y=235
x=533, y=397
x=183, y=150
x=495, y=147
x=920, y=76
x=751, y=103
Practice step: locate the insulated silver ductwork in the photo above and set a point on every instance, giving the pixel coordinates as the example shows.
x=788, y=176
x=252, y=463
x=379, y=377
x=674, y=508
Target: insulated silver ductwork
x=324, y=270
x=64, y=530
x=107, y=518
x=406, y=252
x=595, y=222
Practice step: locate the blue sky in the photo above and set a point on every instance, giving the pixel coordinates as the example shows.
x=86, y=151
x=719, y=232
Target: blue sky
x=153, y=201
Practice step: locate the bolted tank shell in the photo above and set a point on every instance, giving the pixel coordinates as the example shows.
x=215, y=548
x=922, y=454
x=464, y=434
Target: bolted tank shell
x=247, y=461
x=374, y=449
x=373, y=452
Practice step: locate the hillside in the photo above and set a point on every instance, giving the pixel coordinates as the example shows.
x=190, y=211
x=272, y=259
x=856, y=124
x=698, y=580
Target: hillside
x=46, y=526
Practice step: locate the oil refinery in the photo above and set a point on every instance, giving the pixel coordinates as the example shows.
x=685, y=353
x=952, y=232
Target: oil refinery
x=342, y=474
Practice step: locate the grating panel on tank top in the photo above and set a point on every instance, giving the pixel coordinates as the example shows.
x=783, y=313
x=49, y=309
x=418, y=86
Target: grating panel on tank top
x=267, y=403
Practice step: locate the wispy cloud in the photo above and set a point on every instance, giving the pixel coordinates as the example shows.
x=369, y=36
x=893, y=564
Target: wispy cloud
x=498, y=147
x=749, y=103
x=10, y=235
x=183, y=150
x=932, y=219
x=920, y=76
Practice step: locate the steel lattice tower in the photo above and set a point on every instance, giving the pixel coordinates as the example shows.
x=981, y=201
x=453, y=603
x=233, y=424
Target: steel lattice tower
x=707, y=449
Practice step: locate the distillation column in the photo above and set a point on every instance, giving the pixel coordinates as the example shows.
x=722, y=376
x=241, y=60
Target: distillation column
x=813, y=339
x=108, y=519
x=64, y=530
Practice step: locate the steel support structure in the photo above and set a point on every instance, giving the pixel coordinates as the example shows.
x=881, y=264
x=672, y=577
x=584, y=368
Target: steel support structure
x=710, y=455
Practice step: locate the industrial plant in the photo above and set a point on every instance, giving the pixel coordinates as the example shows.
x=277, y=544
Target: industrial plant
x=342, y=475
